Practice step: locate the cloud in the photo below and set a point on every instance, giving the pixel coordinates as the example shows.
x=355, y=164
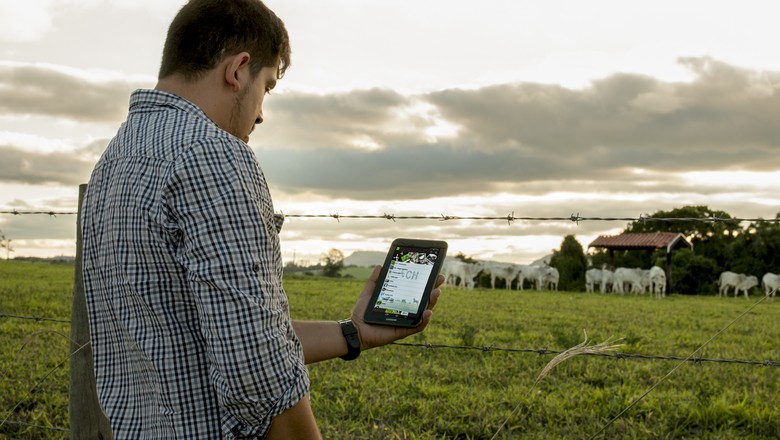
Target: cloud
x=44, y=90
x=380, y=144
x=31, y=227
x=724, y=119
x=20, y=166
x=629, y=119
x=33, y=19
x=25, y=23
x=340, y=120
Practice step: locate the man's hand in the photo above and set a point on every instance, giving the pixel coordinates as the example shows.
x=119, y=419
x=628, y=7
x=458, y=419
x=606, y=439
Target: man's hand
x=377, y=335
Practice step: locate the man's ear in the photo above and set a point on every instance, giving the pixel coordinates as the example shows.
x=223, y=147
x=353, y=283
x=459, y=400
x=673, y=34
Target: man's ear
x=237, y=70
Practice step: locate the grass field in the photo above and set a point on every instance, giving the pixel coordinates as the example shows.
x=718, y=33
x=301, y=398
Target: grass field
x=34, y=374
x=434, y=393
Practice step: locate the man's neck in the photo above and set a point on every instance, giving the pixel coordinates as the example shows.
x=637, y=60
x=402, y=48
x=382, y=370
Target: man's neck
x=203, y=92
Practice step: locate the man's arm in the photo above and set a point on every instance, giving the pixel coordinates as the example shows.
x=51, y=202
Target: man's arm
x=322, y=340
x=297, y=422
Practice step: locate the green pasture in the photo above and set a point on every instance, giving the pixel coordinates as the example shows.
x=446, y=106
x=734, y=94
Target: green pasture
x=422, y=393
x=410, y=392
x=34, y=374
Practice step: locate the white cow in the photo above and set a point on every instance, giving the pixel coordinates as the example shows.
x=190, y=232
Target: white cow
x=657, y=282
x=771, y=283
x=748, y=283
x=729, y=279
x=646, y=283
x=538, y=276
x=450, y=269
x=593, y=278
x=628, y=275
x=607, y=280
x=526, y=272
x=507, y=271
x=542, y=276
x=551, y=278
x=454, y=269
x=740, y=282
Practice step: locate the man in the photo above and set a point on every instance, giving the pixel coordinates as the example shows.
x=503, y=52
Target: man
x=191, y=333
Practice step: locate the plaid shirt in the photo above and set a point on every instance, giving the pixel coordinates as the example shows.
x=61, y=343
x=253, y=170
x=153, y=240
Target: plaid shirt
x=191, y=332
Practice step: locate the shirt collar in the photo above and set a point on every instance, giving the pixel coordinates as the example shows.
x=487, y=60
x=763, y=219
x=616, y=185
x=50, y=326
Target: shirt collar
x=148, y=99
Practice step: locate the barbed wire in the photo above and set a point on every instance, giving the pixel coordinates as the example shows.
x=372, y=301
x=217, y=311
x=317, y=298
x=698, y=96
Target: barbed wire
x=34, y=318
x=539, y=351
x=575, y=218
x=509, y=218
x=37, y=386
x=49, y=213
x=619, y=355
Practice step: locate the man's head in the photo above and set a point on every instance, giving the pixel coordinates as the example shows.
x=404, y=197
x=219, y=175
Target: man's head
x=225, y=56
x=205, y=32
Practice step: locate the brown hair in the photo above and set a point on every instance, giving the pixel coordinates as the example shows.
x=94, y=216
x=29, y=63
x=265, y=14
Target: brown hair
x=204, y=32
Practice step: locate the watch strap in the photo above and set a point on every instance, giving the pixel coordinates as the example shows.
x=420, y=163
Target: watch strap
x=352, y=337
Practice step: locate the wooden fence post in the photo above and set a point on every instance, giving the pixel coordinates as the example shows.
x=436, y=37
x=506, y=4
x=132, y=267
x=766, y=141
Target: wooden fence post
x=87, y=420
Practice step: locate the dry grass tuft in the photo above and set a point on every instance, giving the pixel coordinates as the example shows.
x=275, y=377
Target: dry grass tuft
x=584, y=347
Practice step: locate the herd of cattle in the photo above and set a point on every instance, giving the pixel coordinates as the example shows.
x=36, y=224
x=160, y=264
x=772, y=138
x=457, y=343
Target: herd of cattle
x=743, y=283
x=461, y=274
x=622, y=280
x=627, y=279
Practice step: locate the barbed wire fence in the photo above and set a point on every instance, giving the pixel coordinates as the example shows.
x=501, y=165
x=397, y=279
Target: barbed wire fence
x=509, y=219
x=537, y=351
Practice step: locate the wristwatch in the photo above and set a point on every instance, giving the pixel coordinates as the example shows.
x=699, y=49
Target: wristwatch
x=350, y=333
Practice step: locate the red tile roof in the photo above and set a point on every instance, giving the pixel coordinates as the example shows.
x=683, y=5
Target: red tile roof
x=641, y=240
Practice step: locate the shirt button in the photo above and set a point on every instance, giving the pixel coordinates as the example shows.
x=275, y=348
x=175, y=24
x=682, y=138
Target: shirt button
x=256, y=267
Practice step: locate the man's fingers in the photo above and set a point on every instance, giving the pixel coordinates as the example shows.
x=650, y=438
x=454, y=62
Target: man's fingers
x=435, y=293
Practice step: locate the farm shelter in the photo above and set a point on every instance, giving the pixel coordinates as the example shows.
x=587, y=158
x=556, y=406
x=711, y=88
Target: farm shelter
x=644, y=241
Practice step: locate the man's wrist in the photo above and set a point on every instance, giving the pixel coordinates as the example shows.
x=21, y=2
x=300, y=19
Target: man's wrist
x=352, y=338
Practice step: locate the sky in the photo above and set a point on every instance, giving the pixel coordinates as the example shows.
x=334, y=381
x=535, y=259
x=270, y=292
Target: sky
x=435, y=107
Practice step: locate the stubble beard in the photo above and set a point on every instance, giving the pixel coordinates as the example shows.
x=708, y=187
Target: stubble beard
x=235, y=117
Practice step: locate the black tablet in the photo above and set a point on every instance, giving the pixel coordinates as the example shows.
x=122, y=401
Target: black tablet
x=405, y=283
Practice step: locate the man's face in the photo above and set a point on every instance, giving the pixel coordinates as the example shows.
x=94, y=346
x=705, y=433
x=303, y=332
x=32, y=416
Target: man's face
x=248, y=108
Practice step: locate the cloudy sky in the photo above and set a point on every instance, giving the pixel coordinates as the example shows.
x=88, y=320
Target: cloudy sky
x=435, y=107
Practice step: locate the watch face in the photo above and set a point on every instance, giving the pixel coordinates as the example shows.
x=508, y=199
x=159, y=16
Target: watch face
x=348, y=327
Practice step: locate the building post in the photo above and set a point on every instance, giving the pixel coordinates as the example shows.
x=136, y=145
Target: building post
x=87, y=420
x=668, y=271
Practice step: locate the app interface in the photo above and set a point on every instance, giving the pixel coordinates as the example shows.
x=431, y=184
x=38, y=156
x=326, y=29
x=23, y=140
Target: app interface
x=404, y=285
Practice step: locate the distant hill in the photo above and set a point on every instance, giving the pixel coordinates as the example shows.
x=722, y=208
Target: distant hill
x=365, y=258
x=57, y=259
x=544, y=260
x=371, y=258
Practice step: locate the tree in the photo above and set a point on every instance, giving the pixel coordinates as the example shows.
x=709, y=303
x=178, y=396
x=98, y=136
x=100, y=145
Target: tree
x=571, y=264
x=693, y=274
x=333, y=263
x=5, y=243
x=709, y=238
x=465, y=258
x=691, y=229
x=757, y=250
